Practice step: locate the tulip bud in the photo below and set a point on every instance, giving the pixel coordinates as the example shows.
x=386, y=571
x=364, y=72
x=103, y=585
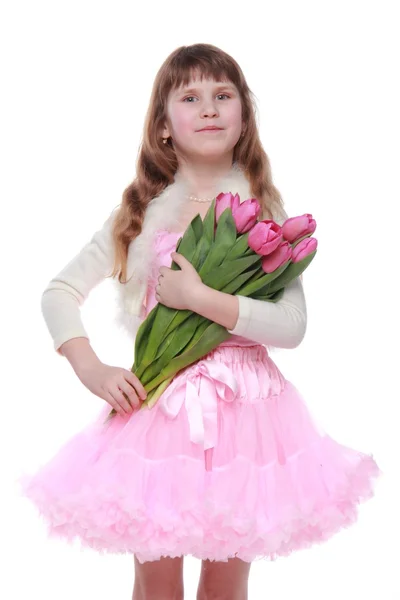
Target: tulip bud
x=297, y=227
x=245, y=215
x=277, y=258
x=224, y=201
x=304, y=248
x=265, y=237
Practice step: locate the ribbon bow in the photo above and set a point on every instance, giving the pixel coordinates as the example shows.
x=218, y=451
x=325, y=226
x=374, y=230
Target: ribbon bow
x=207, y=381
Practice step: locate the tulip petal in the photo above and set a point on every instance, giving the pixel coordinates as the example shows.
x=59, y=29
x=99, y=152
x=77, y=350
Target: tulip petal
x=296, y=227
x=305, y=247
x=277, y=258
x=223, y=201
x=246, y=214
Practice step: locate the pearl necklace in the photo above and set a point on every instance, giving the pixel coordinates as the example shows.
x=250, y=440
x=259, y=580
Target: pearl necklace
x=195, y=199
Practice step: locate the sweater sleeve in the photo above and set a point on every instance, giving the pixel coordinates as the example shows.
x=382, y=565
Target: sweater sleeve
x=281, y=324
x=67, y=291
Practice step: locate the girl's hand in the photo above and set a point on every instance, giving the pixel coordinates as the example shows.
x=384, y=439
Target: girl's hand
x=117, y=386
x=177, y=289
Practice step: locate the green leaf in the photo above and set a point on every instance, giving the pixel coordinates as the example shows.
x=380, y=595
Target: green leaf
x=143, y=333
x=202, y=250
x=220, y=277
x=225, y=238
x=240, y=280
x=209, y=223
x=188, y=242
x=270, y=297
x=258, y=273
x=260, y=282
x=239, y=249
x=180, y=339
x=179, y=318
x=161, y=374
x=226, y=232
x=197, y=225
x=165, y=343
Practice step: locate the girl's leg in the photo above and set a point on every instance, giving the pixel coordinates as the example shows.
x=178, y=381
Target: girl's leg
x=159, y=580
x=224, y=580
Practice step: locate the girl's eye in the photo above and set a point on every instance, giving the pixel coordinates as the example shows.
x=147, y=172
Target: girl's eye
x=188, y=97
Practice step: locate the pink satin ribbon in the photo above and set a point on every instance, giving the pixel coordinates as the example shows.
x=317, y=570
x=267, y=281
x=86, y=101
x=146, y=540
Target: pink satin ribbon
x=205, y=382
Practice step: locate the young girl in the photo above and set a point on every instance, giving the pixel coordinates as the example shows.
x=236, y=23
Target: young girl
x=275, y=482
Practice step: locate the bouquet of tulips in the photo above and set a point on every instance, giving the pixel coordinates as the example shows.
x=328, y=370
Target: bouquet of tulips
x=233, y=253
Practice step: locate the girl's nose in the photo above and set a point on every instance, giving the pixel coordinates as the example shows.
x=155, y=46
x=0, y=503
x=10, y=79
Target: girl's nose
x=209, y=110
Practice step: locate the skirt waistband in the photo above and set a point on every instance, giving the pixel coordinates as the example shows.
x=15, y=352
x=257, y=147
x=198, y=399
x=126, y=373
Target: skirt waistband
x=232, y=353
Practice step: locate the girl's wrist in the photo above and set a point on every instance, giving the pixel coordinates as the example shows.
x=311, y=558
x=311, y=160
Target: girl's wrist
x=198, y=297
x=217, y=306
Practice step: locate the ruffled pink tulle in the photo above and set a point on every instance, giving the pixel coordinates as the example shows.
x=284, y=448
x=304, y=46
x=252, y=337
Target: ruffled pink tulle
x=139, y=485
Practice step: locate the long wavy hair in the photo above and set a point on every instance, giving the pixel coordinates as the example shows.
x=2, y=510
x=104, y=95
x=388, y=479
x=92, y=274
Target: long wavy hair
x=157, y=162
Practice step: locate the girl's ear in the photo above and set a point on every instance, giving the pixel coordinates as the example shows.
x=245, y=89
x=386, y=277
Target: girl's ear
x=165, y=131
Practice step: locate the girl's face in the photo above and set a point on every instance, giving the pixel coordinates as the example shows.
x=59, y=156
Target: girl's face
x=202, y=104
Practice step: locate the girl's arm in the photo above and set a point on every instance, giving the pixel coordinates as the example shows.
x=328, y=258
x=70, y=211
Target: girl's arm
x=281, y=324
x=66, y=292
x=80, y=354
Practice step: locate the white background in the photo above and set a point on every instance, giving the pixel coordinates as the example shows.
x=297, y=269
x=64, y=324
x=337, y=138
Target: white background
x=76, y=80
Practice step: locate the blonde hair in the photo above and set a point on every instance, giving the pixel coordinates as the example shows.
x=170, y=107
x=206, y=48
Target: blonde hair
x=157, y=162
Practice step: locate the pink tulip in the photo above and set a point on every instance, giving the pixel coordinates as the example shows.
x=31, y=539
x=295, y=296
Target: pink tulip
x=224, y=201
x=265, y=237
x=304, y=248
x=245, y=215
x=277, y=258
x=297, y=227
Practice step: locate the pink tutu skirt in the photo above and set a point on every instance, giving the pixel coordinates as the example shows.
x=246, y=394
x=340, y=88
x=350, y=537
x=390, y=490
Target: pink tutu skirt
x=228, y=463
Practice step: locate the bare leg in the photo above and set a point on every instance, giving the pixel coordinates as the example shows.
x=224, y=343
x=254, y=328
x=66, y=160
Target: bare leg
x=159, y=579
x=137, y=592
x=224, y=580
